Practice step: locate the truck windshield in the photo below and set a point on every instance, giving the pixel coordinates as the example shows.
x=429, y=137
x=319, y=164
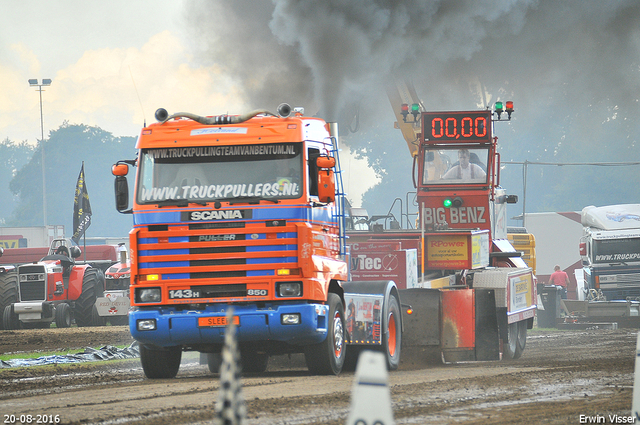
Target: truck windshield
x=454, y=166
x=211, y=173
x=616, y=250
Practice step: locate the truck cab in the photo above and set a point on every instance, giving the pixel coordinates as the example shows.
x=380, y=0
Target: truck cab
x=610, y=250
x=240, y=212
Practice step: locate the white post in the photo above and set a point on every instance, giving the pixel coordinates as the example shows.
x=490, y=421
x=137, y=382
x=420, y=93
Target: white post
x=635, y=405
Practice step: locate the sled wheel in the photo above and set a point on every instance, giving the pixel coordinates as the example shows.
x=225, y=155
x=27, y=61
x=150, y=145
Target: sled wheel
x=8, y=291
x=160, y=363
x=522, y=338
x=10, y=320
x=253, y=362
x=63, y=315
x=516, y=340
x=327, y=358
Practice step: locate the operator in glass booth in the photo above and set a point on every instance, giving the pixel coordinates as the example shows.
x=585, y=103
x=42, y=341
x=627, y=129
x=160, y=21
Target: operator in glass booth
x=465, y=169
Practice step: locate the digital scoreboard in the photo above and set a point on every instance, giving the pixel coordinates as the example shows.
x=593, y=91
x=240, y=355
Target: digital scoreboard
x=456, y=126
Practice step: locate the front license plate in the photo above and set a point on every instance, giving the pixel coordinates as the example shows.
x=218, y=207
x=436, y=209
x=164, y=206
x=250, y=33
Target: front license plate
x=216, y=321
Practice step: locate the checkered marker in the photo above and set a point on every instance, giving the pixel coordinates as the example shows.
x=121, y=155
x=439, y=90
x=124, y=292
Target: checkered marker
x=230, y=408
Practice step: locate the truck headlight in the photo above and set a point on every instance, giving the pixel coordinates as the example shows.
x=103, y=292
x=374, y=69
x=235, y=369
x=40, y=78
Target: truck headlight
x=289, y=289
x=146, y=325
x=148, y=295
x=290, y=319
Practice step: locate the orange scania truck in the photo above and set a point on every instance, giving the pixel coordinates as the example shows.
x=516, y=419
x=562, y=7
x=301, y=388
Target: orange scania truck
x=246, y=212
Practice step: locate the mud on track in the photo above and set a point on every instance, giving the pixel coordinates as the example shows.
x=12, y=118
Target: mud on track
x=561, y=376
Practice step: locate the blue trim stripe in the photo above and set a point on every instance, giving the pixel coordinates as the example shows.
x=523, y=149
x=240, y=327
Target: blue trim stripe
x=304, y=213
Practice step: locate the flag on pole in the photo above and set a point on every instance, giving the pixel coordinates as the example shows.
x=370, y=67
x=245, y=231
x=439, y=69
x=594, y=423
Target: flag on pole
x=81, y=208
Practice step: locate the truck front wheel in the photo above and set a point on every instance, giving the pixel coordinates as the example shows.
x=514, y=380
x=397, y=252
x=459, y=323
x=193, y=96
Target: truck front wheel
x=160, y=363
x=327, y=358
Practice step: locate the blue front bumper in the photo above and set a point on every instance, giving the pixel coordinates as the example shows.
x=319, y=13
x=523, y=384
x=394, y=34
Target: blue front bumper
x=180, y=327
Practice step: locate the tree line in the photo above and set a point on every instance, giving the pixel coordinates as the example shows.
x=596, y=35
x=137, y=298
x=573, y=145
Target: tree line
x=21, y=182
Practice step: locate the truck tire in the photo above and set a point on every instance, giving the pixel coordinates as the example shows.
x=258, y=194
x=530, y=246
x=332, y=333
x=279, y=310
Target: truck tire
x=10, y=320
x=516, y=340
x=160, y=363
x=327, y=358
x=253, y=362
x=84, y=311
x=8, y=290
x=392, y=341
x=63, y=315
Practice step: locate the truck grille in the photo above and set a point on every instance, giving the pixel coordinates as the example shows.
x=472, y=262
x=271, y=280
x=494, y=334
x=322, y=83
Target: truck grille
x=204, y=251
x=629, y=280
x=33, y=283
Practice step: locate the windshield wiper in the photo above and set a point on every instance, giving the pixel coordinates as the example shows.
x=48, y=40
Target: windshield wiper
x=179, y=203
x=249, y=200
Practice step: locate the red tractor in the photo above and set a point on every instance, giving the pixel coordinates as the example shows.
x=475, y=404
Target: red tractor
x=53, y=289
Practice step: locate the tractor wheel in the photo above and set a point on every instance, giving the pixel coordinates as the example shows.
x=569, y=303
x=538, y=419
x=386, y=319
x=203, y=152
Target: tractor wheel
x=160, y=363
x=214, y=360
x=96, y=319
x=392, y=337
x=63, y=315
x=8, y=290
x=84, y=311
x=253, y=362
x=327, y=358
x=10, y=320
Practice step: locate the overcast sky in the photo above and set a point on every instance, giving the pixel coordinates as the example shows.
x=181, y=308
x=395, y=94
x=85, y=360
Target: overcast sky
x=112, y=65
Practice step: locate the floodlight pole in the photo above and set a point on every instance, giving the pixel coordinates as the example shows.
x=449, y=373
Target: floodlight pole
x=45, y=82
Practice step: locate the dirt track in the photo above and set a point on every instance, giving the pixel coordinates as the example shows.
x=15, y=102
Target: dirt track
x=561, y=376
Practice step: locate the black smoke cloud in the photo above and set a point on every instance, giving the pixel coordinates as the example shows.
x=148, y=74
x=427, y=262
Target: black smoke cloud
x=572, y=67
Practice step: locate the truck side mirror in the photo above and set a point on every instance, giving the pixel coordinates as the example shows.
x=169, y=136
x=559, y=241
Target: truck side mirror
x=326, y=179
x=122, y=194
x=326, y=186
x=512, y=199
x=325, y=162
x=120, y=169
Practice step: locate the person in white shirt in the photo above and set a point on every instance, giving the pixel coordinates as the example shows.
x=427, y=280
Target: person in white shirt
x=465, y=170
